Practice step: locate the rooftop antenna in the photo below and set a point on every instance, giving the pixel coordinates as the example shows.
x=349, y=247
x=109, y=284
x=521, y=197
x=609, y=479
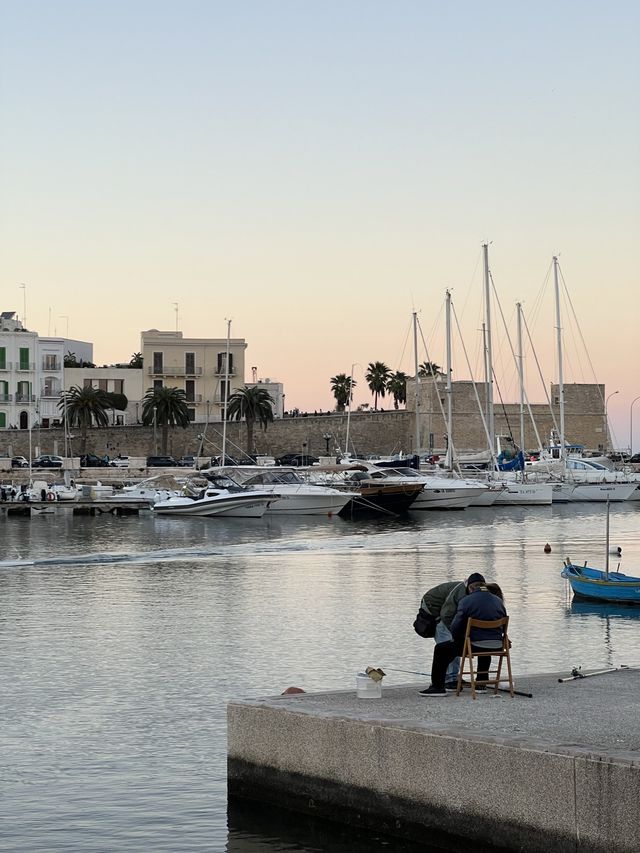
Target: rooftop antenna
x=24, y=305
x=254, y=375
x=175, y=308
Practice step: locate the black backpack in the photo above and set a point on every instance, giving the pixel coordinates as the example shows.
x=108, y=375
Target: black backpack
x=425, y=624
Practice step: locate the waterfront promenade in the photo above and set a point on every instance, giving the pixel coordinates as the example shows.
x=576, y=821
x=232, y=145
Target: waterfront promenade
x=556, y=772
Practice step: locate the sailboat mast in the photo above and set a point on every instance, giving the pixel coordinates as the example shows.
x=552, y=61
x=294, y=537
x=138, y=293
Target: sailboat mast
x=346, y=449
x=488, y=353
x=559, y=344
x=225, y=396
x=521, y=374
x=449, y=386
x=417, y=383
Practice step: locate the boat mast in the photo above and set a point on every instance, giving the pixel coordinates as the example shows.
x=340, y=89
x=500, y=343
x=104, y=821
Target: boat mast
x=559, y=344
x=417, y=384
x=346, y=450
x=606, y=564
x=225, y=396
x=521, y=374
x=488, y=354
x=449, y=386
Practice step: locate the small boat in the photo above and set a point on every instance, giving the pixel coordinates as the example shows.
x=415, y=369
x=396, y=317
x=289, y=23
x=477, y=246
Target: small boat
x=222, y=498
x=599, y=584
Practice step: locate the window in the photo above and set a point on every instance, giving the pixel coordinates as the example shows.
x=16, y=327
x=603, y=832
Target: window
x=117, y=386
x=24, y=358
x=22, y=392
x=190, y=390
x=157, y=383
x=190, y=362
x=224, y=392
x=157, y=362
x=3, y=358
x=192, y=414
x=50, y=362
x=3, y=420
x=4, y=391
x=222, y=362
x=50, y=388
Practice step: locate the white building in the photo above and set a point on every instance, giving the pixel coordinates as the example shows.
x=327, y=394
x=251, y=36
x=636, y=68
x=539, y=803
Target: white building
x=114, y=379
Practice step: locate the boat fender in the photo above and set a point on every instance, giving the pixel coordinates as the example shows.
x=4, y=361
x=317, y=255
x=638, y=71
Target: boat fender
x=51, y=496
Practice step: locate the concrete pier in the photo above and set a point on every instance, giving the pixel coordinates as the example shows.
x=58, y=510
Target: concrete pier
x=556, y=772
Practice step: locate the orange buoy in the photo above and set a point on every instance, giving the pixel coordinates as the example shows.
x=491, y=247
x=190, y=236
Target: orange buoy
x=547, y=548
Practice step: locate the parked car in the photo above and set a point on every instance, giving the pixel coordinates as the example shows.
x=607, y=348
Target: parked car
x=161, y=462
x=635, y=459
x=90, y=460
x=296, y=459
x=19, y=462
x=120, y=462
x=187, y=462
x=47, y=461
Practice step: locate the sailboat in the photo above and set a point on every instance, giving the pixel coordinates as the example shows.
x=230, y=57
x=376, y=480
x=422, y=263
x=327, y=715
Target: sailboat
x=602, y=585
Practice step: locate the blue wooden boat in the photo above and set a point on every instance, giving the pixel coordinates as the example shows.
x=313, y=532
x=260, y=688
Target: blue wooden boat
x=601, y=585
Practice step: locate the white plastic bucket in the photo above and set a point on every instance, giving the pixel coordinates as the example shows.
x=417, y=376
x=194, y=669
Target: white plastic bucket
x=367, y=688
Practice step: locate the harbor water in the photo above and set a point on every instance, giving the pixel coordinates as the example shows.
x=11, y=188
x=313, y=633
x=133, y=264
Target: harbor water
x=122, y=639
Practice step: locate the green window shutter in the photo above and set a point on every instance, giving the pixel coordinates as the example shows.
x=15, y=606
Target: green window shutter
x=24, y=358
x=3, y=358
x=3, y=420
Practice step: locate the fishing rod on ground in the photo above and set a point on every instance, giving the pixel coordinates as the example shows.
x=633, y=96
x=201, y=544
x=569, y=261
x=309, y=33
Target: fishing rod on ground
x=500, y=689
x=577, y=674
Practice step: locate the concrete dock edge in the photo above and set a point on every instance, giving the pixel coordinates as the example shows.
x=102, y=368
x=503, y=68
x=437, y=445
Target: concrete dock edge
x=407, y=778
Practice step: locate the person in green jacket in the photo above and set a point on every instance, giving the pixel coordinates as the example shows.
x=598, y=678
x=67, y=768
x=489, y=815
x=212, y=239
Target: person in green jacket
x=442, y=602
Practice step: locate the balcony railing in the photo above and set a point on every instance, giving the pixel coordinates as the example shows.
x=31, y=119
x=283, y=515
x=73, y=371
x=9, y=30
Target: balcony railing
x=221, y=370
x=50, y=393
x=6, y=398
x=165, y=370
x=24, y=365
x=194, y=398
x=25, y=398
x=51, y=365
x=6, y=365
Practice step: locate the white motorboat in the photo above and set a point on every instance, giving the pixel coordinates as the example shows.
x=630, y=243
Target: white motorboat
x=222, y=498
x=437, y=492
x=293, y=496
x=522, y=493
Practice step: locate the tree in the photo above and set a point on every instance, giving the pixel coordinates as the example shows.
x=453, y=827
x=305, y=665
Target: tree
x=82, y=407
x=429, y=368
x=397, y=385
x=136, y=361
x=71, y=360
x=342, y=387
x=377, y=376
x=165, y=407
x=251, y=404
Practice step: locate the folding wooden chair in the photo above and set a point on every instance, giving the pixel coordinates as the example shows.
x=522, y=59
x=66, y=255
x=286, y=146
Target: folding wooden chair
x=501, y=651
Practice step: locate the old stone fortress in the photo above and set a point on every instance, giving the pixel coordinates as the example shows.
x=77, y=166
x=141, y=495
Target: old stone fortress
x=33, y=374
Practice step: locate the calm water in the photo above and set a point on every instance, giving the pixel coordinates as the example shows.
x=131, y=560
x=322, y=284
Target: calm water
x=123, y=638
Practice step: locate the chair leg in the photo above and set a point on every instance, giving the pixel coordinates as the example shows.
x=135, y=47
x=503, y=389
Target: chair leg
x=498, y=674
x=510, y=675
x=472, y=677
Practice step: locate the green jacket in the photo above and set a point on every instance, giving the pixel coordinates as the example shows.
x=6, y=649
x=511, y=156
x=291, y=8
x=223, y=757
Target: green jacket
x=442, y=600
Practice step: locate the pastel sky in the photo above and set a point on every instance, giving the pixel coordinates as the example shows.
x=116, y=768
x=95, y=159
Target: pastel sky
x=318, y=171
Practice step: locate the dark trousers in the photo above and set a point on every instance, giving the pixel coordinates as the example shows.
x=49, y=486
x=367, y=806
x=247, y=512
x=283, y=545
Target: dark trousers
x=444, y=653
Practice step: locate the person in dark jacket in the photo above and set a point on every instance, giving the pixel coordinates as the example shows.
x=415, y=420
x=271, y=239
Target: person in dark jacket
x=479, y=604
x=442, y=602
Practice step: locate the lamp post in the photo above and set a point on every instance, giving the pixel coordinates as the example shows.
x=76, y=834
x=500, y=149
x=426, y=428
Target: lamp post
x=327, y=439
x=631, y=425
x=155, y=431
x=606, y=420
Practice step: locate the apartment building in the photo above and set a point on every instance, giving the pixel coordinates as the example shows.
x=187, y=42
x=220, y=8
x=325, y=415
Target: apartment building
x=114, y=379
x=198, y=366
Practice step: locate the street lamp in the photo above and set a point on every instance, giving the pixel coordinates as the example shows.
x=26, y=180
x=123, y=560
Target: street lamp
x=631, y=425
x=606, y=420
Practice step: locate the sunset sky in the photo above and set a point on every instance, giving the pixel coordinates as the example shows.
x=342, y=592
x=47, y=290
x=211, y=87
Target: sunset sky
x=318, y=171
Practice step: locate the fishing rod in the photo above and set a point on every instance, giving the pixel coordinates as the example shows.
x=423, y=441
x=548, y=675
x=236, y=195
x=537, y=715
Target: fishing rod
x=500, y=689
x=576, y=672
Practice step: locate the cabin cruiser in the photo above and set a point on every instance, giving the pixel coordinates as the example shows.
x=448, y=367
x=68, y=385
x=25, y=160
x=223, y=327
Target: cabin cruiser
x=294, y=496
x=222, y=497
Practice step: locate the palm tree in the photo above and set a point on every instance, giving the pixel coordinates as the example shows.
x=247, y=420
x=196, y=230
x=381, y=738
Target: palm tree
x=136, y=360
x=397, y=385
x=82, y=407
x=342, y=387
x=251, y=404
x=377, y=376
x=165, y=407
x=429, y=368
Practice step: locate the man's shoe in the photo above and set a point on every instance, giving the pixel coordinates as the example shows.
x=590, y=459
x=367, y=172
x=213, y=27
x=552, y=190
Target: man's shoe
x=451, y=685
x=433, y=692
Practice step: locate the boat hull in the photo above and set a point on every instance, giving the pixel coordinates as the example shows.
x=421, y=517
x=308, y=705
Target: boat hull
x=603, y=492
x=593, y=585
x=525, y=494
x=237, y=506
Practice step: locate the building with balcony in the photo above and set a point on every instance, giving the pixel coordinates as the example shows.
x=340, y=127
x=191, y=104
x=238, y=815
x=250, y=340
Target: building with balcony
x=114, y=379
x=198, y=366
